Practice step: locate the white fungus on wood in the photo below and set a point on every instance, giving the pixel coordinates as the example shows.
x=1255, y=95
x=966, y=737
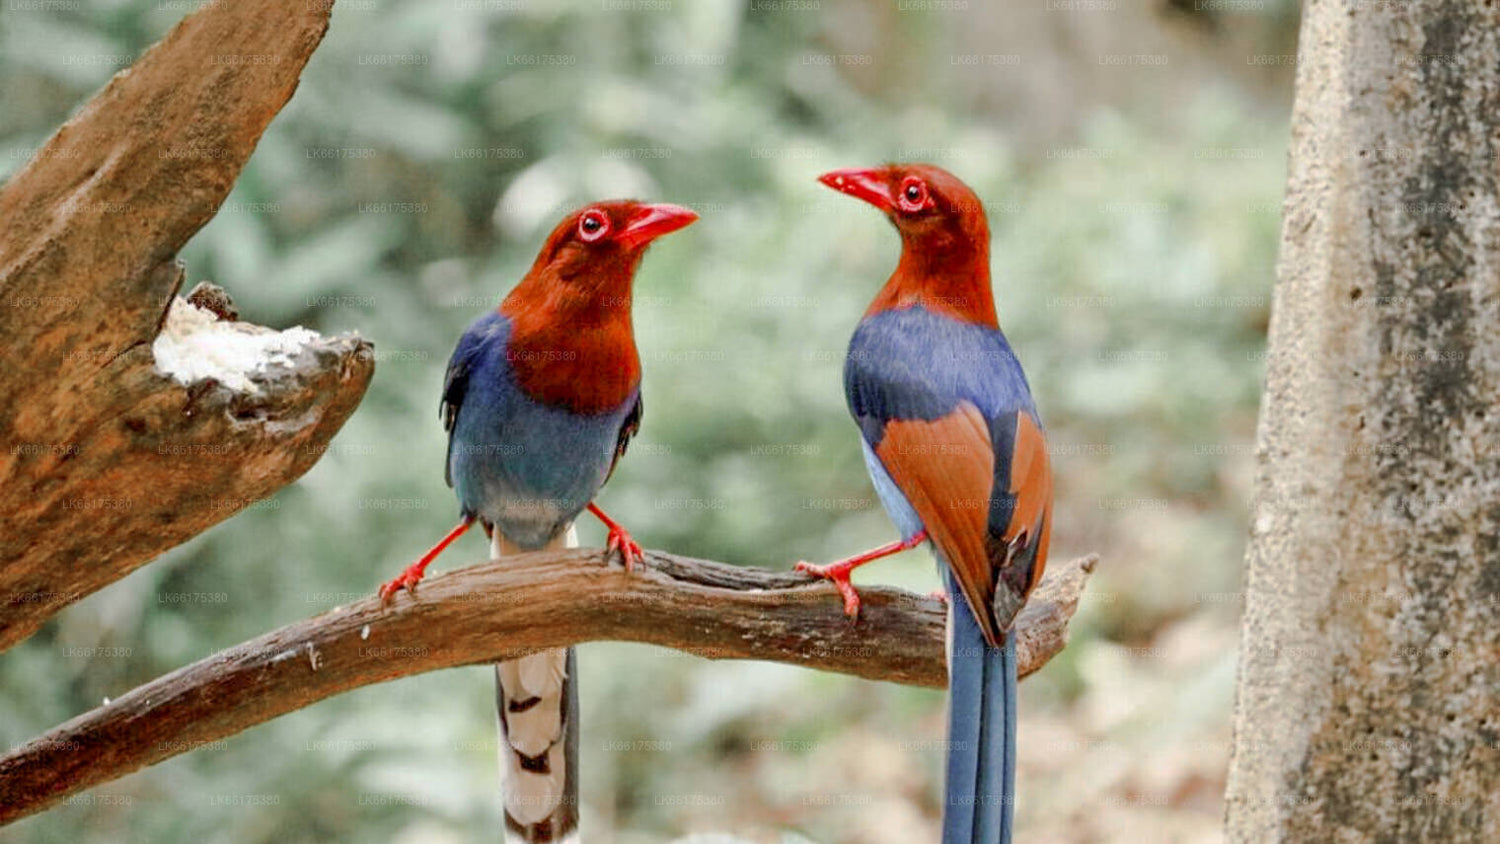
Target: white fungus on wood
x=195, y=345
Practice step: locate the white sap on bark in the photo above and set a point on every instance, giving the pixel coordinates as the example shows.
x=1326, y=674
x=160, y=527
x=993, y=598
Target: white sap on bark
x=1369, y=689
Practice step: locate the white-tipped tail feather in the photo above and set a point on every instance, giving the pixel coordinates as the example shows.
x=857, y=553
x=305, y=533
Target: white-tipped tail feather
x=538, y=701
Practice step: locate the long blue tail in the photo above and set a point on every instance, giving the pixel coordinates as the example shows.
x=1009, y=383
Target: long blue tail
x=981, y=732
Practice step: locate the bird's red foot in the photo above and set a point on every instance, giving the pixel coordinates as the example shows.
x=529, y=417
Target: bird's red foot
x=630, y=550
x=407, y=580
x=620, y=538
x=940, y=594
x=839, y=574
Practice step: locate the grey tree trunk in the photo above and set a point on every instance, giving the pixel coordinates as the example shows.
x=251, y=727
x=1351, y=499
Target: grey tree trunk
x=1369, y=689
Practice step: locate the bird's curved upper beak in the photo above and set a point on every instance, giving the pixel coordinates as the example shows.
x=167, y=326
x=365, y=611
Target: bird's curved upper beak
x=652, y=221
x=868, y=185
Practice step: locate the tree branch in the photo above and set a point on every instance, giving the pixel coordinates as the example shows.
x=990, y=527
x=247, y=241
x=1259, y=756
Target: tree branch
x=110, y=460
x=501, y=610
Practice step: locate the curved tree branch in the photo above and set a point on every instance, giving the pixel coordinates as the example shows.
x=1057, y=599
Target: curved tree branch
x=501, y=610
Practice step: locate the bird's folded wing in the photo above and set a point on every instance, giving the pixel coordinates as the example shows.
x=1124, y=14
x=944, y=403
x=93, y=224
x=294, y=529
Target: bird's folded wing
x=988, y=517
x=945, y=468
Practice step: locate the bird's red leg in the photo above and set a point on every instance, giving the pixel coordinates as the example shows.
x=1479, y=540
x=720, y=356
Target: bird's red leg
x=620, y=538
x=409, y=578
x=838, y=572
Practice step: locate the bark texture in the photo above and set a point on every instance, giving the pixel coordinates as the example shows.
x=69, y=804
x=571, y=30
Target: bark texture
x=502, y=610
x=107, y=462
x=1370, y=663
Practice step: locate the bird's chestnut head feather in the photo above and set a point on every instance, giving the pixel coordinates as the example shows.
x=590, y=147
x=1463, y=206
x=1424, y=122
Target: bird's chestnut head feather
x=586, y=266
x=607, y=237
x=571, y=341
x=945, y=237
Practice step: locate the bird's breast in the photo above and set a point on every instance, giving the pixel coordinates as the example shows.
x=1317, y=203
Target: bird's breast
x=526, y=465
x=588, y=367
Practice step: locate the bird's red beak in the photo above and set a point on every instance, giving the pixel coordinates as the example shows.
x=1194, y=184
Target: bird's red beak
x=652, y=221
x=868, y=185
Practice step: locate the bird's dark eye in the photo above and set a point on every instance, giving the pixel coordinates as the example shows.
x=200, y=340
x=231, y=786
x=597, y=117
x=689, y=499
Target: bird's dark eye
x=592, y=225
x=913, y=194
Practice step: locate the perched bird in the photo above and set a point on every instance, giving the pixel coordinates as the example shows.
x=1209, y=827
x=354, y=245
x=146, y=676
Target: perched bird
x=541, y=398
x=956, y=451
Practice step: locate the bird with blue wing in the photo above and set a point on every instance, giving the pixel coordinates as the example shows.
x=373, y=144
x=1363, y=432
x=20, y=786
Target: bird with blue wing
x=541, y=398
x=956, y=450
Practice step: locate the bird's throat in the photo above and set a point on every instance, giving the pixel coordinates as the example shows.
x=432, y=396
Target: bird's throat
x=963, y=295
x=945, y=271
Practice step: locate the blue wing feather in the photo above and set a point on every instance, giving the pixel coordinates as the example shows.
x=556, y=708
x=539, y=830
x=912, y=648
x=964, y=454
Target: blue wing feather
x=487, y=329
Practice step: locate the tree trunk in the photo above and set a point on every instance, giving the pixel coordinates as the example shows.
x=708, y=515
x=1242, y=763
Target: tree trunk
x=1369, y=667
x=111, y=456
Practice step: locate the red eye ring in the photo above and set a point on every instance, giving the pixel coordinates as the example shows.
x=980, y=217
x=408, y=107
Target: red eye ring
x=592, y=225
x=913, y=194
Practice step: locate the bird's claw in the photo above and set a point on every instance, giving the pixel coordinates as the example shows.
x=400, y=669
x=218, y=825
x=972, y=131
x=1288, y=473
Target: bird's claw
x=407, y=580
x=630, y=550
x=840, y=577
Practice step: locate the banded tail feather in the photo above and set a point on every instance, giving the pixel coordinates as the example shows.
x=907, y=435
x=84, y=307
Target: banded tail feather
x=537, y=699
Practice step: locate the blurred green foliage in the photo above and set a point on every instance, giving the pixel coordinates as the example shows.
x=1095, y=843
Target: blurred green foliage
x=406, y=186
